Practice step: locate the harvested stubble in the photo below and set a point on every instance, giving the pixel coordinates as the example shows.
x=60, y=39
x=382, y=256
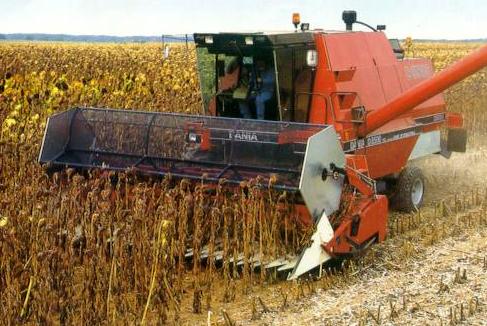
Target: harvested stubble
x=388, y=286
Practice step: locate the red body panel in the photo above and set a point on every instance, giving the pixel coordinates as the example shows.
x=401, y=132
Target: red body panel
x=367, y=222
x=381, y=106
x=388, y=158
x=360, y=69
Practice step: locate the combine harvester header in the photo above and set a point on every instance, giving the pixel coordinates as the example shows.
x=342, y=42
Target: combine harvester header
x=345, y=116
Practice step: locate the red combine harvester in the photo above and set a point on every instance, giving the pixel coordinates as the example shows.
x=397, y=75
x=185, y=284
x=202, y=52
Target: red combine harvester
x=344, y=116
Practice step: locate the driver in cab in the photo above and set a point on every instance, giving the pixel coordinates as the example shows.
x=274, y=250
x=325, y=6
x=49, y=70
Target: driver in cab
x=261, y=87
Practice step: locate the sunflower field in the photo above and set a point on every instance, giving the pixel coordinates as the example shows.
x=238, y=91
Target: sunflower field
x=93, y=249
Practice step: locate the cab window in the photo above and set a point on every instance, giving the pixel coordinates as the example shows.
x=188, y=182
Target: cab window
x=295, y=83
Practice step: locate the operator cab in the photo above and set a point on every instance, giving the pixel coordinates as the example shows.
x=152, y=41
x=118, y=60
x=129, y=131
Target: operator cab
x=237, y=70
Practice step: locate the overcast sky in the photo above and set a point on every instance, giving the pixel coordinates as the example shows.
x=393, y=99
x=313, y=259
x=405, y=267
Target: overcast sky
x=449, y=19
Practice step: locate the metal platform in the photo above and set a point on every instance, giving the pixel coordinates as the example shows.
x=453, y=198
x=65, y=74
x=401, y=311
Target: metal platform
x=185, y=146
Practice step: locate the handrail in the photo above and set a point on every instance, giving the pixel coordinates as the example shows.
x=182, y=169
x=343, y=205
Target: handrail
x=328, y=103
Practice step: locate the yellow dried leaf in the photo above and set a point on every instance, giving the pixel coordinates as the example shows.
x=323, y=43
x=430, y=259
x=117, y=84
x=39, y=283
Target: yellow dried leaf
x=3, y=221
x=35, y=117
x=9, y=122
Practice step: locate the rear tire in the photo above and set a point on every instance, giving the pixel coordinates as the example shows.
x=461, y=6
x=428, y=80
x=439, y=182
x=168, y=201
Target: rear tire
x=410, y=189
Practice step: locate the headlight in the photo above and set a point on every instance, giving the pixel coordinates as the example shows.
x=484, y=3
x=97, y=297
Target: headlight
x=193, y=137
x=312, y=58
x=249, y=40
x=209, y=39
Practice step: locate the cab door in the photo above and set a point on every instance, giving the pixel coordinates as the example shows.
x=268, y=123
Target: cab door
x=294, y=82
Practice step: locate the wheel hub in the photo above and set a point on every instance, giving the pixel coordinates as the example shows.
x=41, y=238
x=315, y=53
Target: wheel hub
x=417, y=192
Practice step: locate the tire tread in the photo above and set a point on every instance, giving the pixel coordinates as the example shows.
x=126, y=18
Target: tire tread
x=402, y=199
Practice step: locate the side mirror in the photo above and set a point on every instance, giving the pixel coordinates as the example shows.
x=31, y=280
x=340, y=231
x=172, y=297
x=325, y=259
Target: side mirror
x=220, y=68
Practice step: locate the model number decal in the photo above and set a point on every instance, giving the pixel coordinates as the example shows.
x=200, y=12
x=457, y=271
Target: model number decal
x=375, y=140
x=243, y=135
x=355, y=144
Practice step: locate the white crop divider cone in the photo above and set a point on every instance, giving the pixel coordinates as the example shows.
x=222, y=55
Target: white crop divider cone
x=314, y=255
